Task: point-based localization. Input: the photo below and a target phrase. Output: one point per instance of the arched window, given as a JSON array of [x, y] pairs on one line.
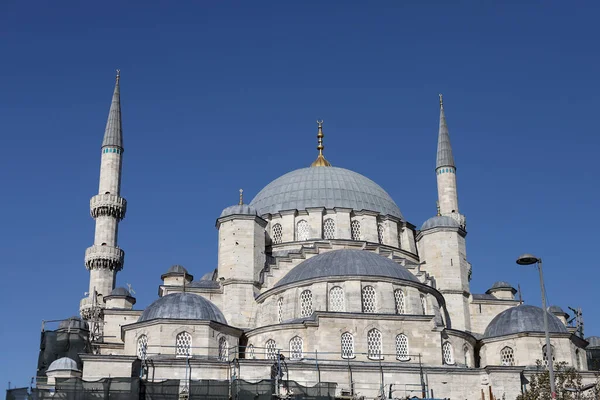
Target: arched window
[[448, 353], [380, 235], [369, 299], [250, 352], [271, 350], [296, 348], [277, 234], [545, 355], [347, 343], [329, 229], [402, 348], [423, 304], [374, 344], [142, 347], [355, 230], [306, 308], [183, 344], [336, 299], [280, 309], [507, 356], [302, 231], [399, 300], [223, 349], [467, 355]]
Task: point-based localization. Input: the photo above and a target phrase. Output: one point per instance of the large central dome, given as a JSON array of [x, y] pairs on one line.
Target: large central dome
[[327, 187]]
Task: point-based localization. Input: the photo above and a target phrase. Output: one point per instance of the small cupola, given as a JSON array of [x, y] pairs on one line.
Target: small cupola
[[120, 298], [176, 275], [502, 290], [559, 313]]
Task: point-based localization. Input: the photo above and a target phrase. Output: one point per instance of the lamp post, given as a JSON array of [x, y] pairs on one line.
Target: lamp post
[[528, 259]]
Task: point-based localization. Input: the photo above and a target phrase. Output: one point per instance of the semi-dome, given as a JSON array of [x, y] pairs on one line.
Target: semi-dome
[[73, 323], [523, 318], [63, 364], [238, 209], [327, 187], [440, 221], [183, 306], [346, 262]]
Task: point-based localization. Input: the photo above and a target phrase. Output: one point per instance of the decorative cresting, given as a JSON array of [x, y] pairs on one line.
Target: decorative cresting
[[320, 161], [108, 205], [99, 257]]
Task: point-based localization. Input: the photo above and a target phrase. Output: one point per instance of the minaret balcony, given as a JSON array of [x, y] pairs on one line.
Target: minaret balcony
[[101, 257], [89, 310], [108, 204]]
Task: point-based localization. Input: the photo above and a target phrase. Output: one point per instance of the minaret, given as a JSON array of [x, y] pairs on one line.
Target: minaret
[[104, 258], [445, 169]]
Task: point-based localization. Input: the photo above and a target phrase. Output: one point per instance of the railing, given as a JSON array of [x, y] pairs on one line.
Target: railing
[[104, 257], [108, 204]]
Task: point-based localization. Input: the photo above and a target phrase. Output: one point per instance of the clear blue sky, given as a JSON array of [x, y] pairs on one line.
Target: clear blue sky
[[219, 95]]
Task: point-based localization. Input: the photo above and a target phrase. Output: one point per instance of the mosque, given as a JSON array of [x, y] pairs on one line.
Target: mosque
[[322, 273]]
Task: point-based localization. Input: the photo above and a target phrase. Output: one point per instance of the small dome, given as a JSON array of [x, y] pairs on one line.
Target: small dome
[[328, 187], [209, 276], [557, 310], [63, 364], [346, 262], [523, 318], [440, 221], [176, 269], [183, 306], [501, 285], [238, 209], [594, 341], [73, 323], [120, 291]]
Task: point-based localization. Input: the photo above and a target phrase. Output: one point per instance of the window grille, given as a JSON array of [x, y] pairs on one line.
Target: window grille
[[280, 309], [380, 235], [270, 350], [448, 353], [369, 299], [374, 344], [277, 234], [223, 349], [355, 230], [467, 355], [423, 304], [303, 230], [336, 299], [183, 344], [306, 308], [347, 342], [250, 353], [402, 348], [329, 229], [142, 347], [507, 356], [545, 355], [399, 299], [296, 348]]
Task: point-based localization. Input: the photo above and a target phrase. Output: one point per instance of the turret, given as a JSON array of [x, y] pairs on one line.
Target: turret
[[104, 258], [241, 258]]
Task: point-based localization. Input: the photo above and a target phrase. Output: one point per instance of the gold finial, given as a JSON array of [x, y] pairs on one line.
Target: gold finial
[[320, 161], [437, 203], [241, 196], [441, 101], [118, 75]]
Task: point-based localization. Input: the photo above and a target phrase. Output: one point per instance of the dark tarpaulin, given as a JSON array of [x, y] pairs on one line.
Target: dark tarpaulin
[[62, 343], [209, 389], [17, 394]]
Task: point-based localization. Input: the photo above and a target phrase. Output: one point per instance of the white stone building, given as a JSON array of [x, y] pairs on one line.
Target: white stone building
[[322, 268]]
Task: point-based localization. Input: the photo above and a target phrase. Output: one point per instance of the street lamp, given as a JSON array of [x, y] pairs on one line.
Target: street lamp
[[528, 259]]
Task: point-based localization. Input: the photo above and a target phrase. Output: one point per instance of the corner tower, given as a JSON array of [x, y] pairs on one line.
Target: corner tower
[[445, 170], [104, 258]]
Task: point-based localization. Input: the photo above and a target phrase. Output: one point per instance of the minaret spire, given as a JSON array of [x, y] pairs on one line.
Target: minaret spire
[[320, 161], [444, 150], [104, 258]]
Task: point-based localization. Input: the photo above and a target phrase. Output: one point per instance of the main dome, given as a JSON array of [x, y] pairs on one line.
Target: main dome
[[327, 187]]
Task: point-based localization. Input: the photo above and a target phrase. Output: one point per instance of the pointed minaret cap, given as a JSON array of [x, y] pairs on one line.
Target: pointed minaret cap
[[320, 161], [113, 134], [444, 150]]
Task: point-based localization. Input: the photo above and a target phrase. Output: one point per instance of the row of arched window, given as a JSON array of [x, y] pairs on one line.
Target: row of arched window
[[183, 346], [374, 348], [337, 302], [507, 356], [329, 231]]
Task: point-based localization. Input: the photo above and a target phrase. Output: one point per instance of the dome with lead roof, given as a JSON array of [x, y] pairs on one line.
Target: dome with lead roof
[[523, 318], [183, 306], [327, 187]]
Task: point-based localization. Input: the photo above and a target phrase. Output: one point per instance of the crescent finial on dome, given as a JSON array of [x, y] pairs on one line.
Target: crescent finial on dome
[[320, 161]]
